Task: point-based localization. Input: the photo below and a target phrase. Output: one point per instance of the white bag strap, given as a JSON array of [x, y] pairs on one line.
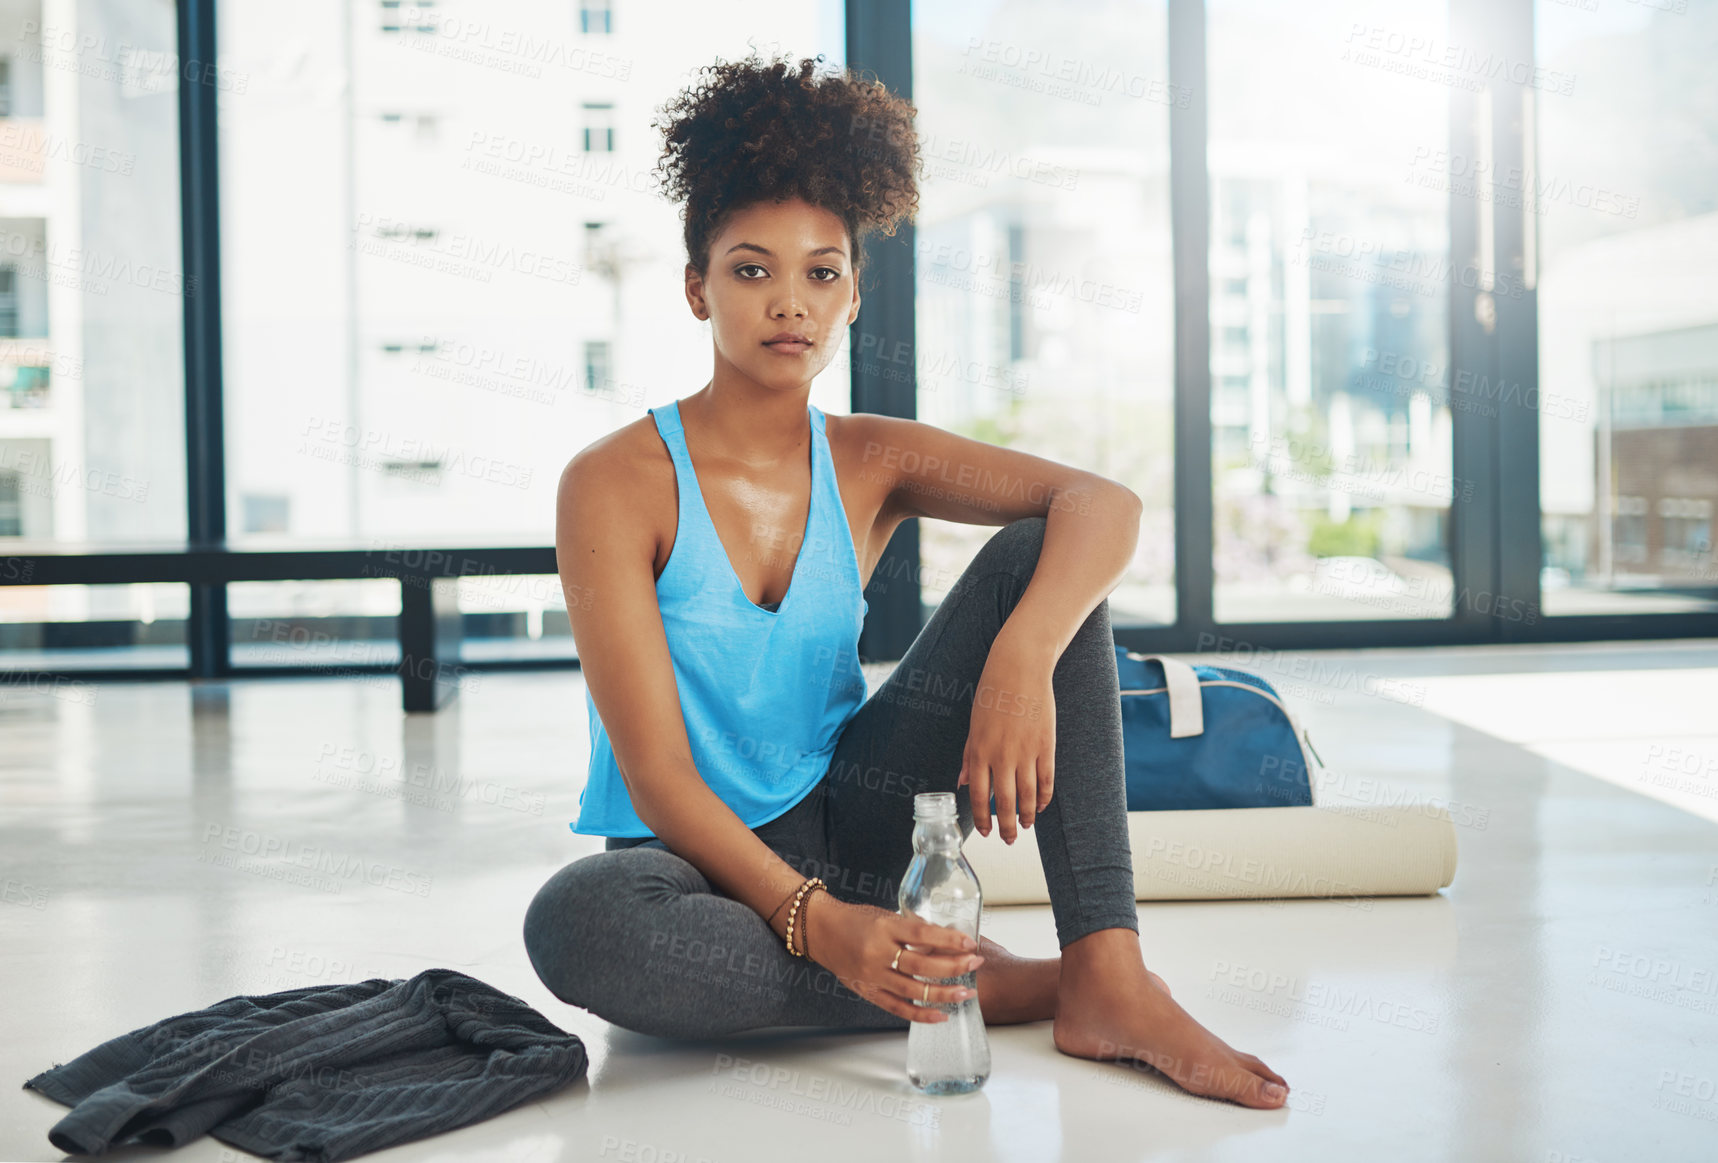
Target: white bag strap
[[1186, 704]]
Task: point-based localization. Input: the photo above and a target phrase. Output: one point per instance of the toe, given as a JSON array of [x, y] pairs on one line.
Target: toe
[[1261, 1092], [1259, 1067], [1239, 1084]]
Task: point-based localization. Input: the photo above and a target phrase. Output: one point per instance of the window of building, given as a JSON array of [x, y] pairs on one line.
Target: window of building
[[402, 346], [267, 512], [11, 504], [8, 301], [596, 16], [413, 472], [1630, 540], [1687, 527], [425, 126], [415, 16], [597, 365], [599, 126], [406, 232]]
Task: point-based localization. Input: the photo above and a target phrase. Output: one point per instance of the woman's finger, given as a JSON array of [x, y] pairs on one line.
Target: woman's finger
[[927, 935], [919, 964], [1026, 791], [1004, 788], [885, 1000], [978, 785], [896, 1004], [914, 991]]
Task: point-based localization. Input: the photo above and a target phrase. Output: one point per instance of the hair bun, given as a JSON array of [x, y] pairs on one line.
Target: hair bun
[[772, 129]]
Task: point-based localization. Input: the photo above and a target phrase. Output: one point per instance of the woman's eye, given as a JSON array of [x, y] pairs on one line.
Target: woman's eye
[[741, 270]]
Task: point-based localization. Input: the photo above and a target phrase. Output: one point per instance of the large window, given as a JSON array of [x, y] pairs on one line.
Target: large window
[[1424, 288], [420, 329], [1625, 198], [1331, 433], [92, 295], [1044, 296]]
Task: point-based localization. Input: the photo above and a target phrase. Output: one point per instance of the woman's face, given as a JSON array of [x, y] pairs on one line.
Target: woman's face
[[777, 267]]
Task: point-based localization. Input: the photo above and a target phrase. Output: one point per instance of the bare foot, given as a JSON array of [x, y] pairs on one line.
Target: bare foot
[[1013, 989], [1107, 1010]]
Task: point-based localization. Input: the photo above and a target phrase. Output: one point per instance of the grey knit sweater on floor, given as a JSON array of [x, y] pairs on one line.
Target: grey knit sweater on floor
[[321, 1073]]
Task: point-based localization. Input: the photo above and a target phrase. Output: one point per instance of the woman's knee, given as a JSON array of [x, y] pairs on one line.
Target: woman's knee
[[1012, 549], [564, 925], [1017, 546], [587, 916], [1017, 542], [552, 940]]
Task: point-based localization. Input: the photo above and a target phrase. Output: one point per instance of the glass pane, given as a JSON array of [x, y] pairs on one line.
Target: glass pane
[[1045, 300], [517, 616], [92, 422], [1330, 276], [319, 625], [331, 625], [106, 627], [448, 270], [1626, 200]]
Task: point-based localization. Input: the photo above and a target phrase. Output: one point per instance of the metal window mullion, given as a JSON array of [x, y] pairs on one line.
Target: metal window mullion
[[1189, 219], [206, 629], [1473, 528], [1519, 547], [880, 42]]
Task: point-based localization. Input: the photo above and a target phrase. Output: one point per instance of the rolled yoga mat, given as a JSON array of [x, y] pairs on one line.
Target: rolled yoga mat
[[1250, 854]]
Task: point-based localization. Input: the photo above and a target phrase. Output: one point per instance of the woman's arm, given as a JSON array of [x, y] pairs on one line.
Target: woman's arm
[[1091, 529], [605, 553], [1011, 743], [1091, 523]]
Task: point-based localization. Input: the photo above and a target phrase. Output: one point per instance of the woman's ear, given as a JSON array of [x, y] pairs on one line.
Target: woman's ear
[[695, 293]]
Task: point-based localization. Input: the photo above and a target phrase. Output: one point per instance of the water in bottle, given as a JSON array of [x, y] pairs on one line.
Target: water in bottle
[[953, 1056]]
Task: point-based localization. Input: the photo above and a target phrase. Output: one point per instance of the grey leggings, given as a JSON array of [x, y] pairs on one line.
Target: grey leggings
[[639, 937]]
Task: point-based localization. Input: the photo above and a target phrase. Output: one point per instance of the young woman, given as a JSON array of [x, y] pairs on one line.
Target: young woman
[[758, 807]]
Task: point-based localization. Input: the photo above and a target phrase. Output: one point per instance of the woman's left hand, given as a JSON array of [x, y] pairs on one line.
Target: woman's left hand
[[1011, 742]]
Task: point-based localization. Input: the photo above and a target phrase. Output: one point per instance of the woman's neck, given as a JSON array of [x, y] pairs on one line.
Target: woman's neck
[[755, 428]]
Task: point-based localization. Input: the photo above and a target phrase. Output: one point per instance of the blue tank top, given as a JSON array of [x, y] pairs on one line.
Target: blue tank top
[[764, 692]]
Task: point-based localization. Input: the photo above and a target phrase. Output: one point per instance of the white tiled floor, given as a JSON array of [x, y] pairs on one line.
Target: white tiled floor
[[1558, 1002]]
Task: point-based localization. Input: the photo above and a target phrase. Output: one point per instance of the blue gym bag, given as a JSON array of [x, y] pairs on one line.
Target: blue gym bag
[[1207, 737]]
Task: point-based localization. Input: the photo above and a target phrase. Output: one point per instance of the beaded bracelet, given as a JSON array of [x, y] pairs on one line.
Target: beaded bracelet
[[805, 926], [811, 885], [805, 929]]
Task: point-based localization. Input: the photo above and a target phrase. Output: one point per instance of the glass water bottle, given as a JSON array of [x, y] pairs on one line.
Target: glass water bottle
[[953, 1056]]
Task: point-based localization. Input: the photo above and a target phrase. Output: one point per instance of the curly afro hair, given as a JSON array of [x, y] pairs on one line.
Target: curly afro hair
[[754, 130]]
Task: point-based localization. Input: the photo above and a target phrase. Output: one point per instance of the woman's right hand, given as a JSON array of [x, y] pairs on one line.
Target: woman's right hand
[[858, 942]]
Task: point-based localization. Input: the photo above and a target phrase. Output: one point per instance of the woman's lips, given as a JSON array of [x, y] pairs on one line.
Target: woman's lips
[[787, 347]]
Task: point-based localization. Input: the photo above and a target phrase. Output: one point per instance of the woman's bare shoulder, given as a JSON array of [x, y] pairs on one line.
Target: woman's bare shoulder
[[625, 475], [630, 459], [860, 444]]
